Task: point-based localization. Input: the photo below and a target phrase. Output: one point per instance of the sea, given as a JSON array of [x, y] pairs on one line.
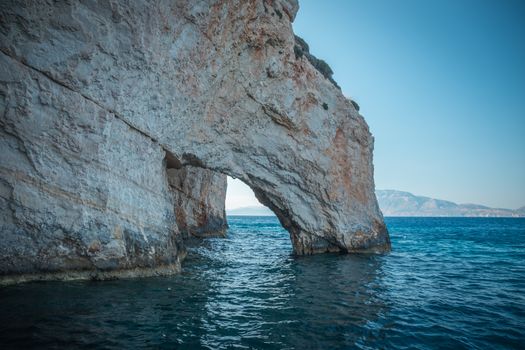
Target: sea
[[448, 283]]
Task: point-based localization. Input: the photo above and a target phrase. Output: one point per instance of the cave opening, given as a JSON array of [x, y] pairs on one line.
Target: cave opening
[[253, 227], [172, 162], [241, 201], [205, 200]]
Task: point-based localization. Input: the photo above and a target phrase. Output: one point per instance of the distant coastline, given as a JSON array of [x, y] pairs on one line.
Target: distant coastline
[[400, 203], [254, 210]]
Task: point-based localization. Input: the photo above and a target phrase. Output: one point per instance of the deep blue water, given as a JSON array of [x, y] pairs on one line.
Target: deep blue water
[[448, 283]]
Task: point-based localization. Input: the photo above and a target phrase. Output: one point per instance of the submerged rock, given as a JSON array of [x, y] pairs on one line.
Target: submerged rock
[[99, 100]]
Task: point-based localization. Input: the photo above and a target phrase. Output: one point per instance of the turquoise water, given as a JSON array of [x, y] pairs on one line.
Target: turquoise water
[[448, 283]]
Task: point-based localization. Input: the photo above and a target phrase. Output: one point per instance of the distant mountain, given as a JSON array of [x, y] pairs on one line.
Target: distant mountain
[[398, 203], [258, 210]]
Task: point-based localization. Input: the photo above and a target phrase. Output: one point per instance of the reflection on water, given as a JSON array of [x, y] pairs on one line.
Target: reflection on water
[[338, 296], [456, 284], [261, 295]]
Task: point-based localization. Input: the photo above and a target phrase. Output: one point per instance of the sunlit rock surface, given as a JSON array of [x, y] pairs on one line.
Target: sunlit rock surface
[[98, 97]]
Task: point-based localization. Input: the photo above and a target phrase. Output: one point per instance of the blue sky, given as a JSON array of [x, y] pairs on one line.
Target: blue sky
[[442, 86]]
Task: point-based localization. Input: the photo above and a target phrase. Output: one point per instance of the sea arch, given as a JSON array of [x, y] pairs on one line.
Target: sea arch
[[96, 96]]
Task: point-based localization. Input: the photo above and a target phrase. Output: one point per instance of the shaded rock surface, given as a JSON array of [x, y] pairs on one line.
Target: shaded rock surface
[[94, 97], [199, 201]]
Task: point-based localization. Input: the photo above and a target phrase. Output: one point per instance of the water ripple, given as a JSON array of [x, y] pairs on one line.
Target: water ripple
[[448, 283]]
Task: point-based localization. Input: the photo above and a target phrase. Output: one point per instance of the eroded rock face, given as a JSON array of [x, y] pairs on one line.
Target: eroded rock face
[[199, 201], [80, 189], [93, 95]]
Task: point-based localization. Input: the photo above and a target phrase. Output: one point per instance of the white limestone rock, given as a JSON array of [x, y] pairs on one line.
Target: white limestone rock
[[93, 94]]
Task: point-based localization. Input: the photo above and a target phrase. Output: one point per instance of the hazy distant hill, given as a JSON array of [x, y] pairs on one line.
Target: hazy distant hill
[[251, 211], [398, 203]]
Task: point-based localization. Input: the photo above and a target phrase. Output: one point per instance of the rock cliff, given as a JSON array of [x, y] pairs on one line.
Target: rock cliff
[[121, 119]]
